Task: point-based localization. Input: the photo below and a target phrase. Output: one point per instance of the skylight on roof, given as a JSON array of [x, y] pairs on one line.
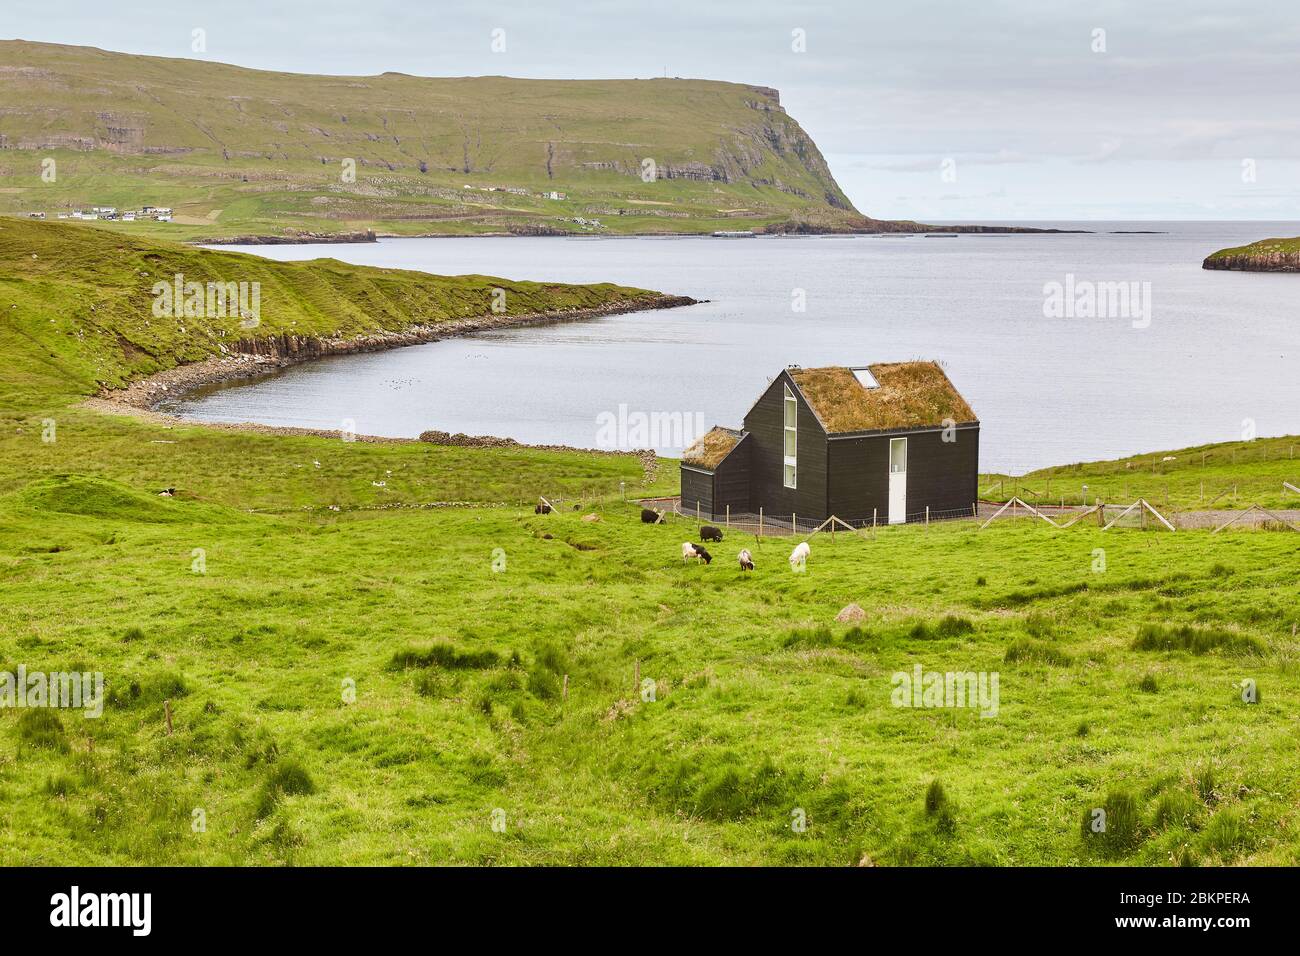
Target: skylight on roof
[[865, 378]]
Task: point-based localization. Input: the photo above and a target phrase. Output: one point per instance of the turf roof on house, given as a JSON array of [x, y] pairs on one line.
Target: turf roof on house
[[713, 446], [911, 395]]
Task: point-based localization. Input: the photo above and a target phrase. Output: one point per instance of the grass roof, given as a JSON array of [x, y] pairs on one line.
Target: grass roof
[[911, 395], [713, 446]]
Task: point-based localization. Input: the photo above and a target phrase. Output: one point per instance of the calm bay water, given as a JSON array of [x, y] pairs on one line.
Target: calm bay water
[[1220, 347]]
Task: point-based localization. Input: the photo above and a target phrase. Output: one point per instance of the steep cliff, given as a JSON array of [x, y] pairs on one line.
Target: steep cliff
[[235, 150]]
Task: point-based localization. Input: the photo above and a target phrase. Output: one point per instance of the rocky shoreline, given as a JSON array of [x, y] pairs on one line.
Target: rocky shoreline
[[874, 227], [250, 358], [1256, 262], [291, 239]]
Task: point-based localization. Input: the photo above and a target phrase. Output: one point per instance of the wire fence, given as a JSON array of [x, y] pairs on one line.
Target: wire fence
[[1139, 515], [763, 524]]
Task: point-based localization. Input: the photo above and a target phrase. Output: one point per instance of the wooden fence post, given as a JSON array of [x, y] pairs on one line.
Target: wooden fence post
[[794, 524], [636, 675], [728, 516], [167, 708], [760, 521], [927, 516], [565, 692], [697, 510]]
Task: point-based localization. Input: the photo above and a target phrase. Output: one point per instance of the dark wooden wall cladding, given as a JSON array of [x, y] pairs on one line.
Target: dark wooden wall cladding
[[731, 479], [697, 491], [943, 476], [766, 425]]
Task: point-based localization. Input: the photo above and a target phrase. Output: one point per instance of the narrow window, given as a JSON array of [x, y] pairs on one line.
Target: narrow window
[[791, 438], [897, 455]]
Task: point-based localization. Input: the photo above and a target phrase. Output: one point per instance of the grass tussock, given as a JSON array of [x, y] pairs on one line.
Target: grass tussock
[[286, 779], [1032, 651], [445, 656], [41, 727], [1115, 828], [1197, 640], [939, 808]]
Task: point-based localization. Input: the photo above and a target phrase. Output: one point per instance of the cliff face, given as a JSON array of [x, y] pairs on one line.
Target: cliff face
[[1261, 262], [397, 148], [1267, 255]]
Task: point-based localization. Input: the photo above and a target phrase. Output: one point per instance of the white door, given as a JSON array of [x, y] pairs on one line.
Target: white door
[[897, 480]]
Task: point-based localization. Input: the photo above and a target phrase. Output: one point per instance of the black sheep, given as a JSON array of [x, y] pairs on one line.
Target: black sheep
[[703, 555], [649, 516], [542, 509], [710, 533]]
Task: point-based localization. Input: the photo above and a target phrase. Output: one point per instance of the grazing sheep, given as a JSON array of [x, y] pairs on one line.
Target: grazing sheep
[[695, 551], [542, 509], [650, 516], [799, 556], [746, 560], [167, 493], [710, 533]]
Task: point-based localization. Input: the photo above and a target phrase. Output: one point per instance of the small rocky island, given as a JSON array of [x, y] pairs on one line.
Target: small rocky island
[[1267, 255]]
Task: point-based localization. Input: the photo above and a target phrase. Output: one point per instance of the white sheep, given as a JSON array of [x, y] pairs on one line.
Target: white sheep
[[799, 556], [746, 560]]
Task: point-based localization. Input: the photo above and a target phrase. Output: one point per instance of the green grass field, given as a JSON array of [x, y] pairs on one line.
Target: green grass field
[[386, 685], [1227, 475]]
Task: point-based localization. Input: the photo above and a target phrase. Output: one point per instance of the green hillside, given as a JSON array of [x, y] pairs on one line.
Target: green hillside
[[236, 151], [77, 305], [378, 654], [1222, 475]]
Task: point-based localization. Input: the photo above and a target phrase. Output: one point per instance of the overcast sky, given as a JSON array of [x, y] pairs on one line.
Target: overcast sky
[[939, 111]]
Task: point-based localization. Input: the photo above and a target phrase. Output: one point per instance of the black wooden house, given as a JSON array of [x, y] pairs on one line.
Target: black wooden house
[[879, 442]]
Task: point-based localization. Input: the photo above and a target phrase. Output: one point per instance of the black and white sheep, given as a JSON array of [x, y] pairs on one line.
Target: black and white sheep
[[746, 560], [696, 551]]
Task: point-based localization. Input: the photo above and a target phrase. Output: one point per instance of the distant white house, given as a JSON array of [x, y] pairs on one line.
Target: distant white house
[[36, 215], [128, 217], [553, 195]]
